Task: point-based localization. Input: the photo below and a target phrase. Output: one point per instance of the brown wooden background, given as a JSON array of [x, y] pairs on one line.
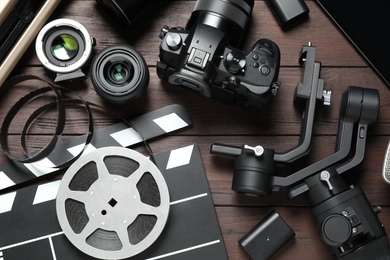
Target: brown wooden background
[[277, 126]]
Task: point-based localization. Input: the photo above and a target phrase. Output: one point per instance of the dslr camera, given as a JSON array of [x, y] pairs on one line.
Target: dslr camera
[[205, 57]]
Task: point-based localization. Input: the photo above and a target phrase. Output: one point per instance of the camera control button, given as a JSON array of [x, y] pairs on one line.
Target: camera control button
[[233, 82], [173, 40], [267, 44], [255, 65], [235, 62], [265, 70], [255, 57]]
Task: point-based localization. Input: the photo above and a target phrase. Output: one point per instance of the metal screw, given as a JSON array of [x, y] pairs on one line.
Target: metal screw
[[326, 96]]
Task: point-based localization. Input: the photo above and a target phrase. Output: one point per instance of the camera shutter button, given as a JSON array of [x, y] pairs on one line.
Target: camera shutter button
[[173, 40]]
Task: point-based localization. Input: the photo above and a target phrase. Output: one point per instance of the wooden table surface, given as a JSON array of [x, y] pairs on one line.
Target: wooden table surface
[[277, 126]]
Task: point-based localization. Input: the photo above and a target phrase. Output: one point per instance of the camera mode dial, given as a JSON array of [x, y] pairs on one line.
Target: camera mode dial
[[235, 62], [173, 40]]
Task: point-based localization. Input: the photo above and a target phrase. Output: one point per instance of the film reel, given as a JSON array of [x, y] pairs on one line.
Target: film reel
[[112, 203]]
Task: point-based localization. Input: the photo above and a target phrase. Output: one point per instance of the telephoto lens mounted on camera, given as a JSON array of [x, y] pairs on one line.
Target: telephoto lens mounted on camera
[[205, 57]]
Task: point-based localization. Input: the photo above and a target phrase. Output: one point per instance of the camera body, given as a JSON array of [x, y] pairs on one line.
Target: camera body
[[204, 57]]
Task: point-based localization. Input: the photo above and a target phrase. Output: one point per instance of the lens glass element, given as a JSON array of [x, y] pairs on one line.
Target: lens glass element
[[64, 47], [120, 72]]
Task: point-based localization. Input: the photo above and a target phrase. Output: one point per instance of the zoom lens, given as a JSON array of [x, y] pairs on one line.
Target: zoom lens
[[64, 46], [230, 16], [119, 74], [125, 11]]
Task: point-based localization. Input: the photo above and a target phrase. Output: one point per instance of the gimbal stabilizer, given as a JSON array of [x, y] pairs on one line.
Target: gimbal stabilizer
[[347, 222]]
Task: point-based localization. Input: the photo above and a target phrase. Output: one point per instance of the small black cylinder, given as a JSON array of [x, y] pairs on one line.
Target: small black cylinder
[[253, 174]]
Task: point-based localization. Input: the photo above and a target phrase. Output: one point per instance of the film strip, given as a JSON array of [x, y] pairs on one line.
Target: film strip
[[28, 217], [152, 124]]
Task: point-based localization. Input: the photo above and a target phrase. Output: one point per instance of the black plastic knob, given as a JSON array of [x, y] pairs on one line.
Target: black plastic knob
[[336, 230], [235, 62]]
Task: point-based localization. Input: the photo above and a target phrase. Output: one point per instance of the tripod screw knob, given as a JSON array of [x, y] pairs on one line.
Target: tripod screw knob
[[325, 176], [258, 150]]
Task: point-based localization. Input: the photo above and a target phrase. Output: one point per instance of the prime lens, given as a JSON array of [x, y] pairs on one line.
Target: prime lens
[[230, 16], [119, 74]]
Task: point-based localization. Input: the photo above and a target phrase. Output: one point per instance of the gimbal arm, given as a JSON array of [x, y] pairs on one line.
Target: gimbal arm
[[359, 108]]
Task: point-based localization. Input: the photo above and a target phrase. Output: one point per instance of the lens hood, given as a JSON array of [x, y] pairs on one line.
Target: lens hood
[[119, 74]]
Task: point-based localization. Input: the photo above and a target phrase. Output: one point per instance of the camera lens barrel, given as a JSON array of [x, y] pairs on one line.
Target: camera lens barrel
[[124, 11], [119, 74], [230, 16]]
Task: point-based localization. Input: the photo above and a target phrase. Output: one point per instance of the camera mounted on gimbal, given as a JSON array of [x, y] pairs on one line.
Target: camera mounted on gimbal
[[347, 222]]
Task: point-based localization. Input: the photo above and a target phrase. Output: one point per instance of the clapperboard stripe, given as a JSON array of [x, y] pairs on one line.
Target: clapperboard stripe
[[5, 181], [192, 231], [149, 125]]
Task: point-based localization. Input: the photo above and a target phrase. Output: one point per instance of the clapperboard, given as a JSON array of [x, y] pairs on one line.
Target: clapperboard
[[29, 228], [125, 134]]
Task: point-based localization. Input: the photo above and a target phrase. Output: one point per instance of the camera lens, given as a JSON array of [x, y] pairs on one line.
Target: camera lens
[[64, 46], [119, 74], [230, 16], [125, 11]]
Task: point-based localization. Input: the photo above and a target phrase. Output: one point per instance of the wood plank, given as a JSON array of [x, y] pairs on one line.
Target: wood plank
[[277, 126]]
